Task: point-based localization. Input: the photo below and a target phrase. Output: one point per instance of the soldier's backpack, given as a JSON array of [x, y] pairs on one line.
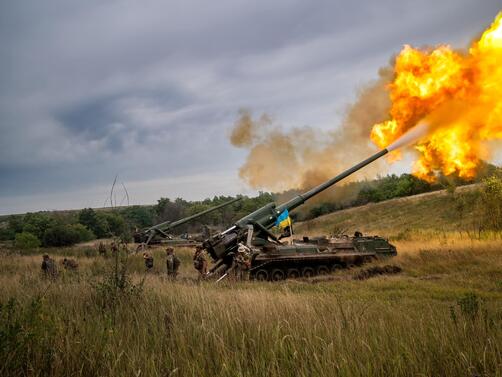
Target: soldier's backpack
[[176, 263]]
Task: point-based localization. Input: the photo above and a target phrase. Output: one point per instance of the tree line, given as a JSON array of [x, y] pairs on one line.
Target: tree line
[[65, 228]]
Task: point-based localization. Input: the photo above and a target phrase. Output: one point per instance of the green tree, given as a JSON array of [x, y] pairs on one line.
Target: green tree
[[84, 234], [6, 234], [61, 235], [26, 240], [15, 224], [138, 216], [92, 221], [166, 210], [37, 223]]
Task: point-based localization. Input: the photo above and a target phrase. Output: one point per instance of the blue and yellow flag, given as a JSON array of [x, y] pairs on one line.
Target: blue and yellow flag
[[283, 220]]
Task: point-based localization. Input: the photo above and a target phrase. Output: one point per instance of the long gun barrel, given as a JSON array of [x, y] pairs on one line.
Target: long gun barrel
[[223, 244], [162, 228]]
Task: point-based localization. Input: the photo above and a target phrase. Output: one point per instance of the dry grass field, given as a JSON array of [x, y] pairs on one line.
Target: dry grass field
[[441, 316]]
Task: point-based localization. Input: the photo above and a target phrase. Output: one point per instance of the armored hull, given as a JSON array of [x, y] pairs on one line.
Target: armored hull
[[317, 256]]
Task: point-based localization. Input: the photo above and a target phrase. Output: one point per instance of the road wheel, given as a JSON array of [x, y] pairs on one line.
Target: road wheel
[[293, 273], [277, 275], [322, 270], [336, 267], [307, 272], [261, 275]]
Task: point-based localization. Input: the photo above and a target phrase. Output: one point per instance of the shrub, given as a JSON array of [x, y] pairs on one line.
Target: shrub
[[469, 305], [26, 240], [117, 285], [61, 235], [84, 234]]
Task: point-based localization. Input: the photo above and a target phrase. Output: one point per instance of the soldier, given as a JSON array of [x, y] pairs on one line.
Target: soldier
[[49, 267], [102, 249], [70, 264], [115, 248], [199, 261], [148, 260], [357, 234], [172, 263], [242, 262]]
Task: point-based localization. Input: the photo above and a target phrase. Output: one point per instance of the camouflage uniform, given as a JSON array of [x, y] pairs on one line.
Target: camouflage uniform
[[242, 262], [49, 267], [102, 249], [148, 261], [172, 263], [70, 264], [199, 261], [115, 248]]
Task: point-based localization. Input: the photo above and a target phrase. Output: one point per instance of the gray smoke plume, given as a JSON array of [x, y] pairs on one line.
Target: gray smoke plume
[[301, 158]]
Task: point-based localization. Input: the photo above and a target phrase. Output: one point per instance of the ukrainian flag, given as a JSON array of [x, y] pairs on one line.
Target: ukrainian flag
[[283, 220]]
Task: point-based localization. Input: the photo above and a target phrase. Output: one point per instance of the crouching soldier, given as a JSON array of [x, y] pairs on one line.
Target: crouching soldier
[[148, 261], [172, 263], [199, 261], [49, 267], [70, 264]]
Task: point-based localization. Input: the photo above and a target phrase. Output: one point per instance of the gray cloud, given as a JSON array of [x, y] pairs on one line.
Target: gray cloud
[[150, 89]]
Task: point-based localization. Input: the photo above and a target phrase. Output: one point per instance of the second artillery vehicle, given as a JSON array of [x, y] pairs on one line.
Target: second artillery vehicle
[[160, 232], [273, 260]]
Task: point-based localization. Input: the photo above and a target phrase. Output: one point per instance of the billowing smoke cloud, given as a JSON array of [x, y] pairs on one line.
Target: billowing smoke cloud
[[301, 158]]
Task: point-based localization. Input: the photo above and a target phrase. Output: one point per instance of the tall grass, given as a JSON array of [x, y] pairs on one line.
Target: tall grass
[[441, 317]]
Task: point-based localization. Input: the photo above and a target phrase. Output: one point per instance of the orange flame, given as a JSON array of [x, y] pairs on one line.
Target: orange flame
[[459, 94]]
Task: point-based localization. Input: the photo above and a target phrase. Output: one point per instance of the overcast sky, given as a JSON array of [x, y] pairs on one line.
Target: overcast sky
[[149, 90]]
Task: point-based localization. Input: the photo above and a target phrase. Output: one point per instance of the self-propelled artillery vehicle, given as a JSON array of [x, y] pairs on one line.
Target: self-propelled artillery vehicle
[[160, 232], [273, 260], [317, 256]]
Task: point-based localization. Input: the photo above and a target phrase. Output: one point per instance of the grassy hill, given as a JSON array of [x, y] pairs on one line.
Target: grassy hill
[[434, 212], [441, 316]]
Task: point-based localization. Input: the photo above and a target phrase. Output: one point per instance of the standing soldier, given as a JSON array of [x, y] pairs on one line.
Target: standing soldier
[[172, 263], [148, 260], [49, 267], [242, 262], [199, 261], [115, 248], [102, 249]]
